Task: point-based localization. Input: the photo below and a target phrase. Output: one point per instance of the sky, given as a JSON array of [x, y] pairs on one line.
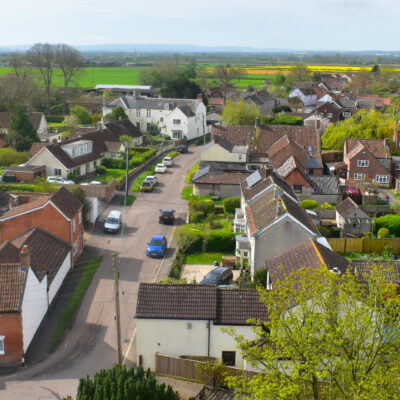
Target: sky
[[280, 24]]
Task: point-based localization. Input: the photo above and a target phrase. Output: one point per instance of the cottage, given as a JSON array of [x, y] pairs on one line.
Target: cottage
[[352, 219], [306, 94]]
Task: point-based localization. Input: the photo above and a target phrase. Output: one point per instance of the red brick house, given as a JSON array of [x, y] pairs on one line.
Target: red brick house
[[59, 214], [368, 159]]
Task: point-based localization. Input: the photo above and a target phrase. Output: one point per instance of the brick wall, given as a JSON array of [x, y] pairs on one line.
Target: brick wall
[[11, 328]]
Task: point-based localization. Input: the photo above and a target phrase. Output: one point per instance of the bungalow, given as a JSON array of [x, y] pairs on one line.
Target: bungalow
[[351, 219], [178, 320]]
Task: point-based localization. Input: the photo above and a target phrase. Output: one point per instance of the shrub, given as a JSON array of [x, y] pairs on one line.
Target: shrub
[[309, 204], [55, 118], [327, 206], [230, 204], [335, 232], [389, 221], [192, 171], [9, 157], [383, 233], [113, 163], [100, 170], [197, 216], [129, 199], [324, 231], [199, 210], [260, 278], [221, 241], [82, 114]]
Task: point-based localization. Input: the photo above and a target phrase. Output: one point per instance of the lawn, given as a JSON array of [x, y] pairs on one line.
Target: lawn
[[84, 281], [117, 174], [187, 194], [204, 258], [136, 186]]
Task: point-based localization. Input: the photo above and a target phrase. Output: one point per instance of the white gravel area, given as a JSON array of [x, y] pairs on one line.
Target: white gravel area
[[196, 272]]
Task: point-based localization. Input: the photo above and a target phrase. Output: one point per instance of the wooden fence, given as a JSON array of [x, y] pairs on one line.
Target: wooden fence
[[365, 245], [191, 369]]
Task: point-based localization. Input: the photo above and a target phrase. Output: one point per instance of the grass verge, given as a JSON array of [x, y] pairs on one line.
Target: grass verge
[[129, 199], [173, 154], [192, 171], [204, 258], [187, 194], [136, 186], [77, 295]]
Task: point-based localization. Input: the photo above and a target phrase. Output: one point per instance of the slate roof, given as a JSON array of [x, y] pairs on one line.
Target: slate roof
[[12, 284], [308, 254], [313, 163], [219, 177], [123, 127], [65, 201], [307, 91], [377, 147], [224, 306], [363, 267], [288, 166], [324, 184], [346, 207], [34, 119]]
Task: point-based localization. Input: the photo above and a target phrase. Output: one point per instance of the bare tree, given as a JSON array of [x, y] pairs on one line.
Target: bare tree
[[69, 60], [225, 75], [42, 56]]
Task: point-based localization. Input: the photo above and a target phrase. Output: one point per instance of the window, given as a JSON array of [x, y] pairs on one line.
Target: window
[[57, 172], [177, 134], [94, 164], [246, 254], [148, 127], [138, 112], [2, 345], [359, 176], [73, 226], [397, 167], [329, 115], [176, 121], [161, 119], [78, 171], [74, 152], [298, 188], [148, 113], [75, 247], [382, 178], [253, 167], [138, 125], [347, 114], [80, 217], [362, 163], [311, 171], [228, 358]]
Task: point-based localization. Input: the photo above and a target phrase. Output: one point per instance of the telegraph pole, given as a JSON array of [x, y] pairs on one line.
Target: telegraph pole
[[117, 312]]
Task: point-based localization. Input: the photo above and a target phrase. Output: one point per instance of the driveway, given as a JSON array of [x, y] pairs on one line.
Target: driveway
[[90, 344]]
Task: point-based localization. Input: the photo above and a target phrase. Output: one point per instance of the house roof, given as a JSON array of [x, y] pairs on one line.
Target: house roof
[[36, 147], [307, 90], [123, 127], [219, 177], [285, 147], [288, 166], [32, 205], [308, 254], [34, 119], [224, 306], [260, 180], [324, 184], [12, 284], [65, 201], [379, 148], [264, 210], [4, 199], [48, 252], [346, 207]]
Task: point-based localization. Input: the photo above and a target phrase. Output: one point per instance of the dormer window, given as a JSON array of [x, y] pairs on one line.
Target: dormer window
[[79, 148]]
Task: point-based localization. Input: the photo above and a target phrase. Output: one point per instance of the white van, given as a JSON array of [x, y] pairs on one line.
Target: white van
[[168, 162], [113, 222]]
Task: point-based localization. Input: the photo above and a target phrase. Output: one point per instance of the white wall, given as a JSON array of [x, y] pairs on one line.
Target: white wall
[[44, 157], [173, 338], [59, 278], [34, 306], [218, 153]]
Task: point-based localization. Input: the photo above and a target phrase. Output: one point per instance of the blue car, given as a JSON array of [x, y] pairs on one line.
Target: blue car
[[157, 246]]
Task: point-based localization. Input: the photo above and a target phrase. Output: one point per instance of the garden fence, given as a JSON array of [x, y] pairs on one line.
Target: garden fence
[[365, 245]]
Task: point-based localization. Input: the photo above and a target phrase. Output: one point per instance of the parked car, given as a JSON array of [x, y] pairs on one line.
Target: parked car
[[351, 189], [157, 246], [160, 169], [218, 276], [113, 222], [60, 180], [167, 216], [182, 148], [151, 178], [146, 186], [168, 162]]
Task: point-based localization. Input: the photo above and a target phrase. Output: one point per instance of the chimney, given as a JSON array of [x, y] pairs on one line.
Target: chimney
[[25, 256]]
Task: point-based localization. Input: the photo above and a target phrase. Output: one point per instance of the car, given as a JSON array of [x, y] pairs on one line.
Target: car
[[151, 178], [146, 186], [182, 148], [60, 180], [351, 189], [218, 276], [167, 216], [168, 162], [113, 222], [160, 169], [157, 246]]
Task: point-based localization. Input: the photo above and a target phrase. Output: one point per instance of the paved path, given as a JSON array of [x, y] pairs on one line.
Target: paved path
[[90, 344]]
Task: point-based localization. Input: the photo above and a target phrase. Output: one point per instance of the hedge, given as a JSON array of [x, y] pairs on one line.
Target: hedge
[[383, 233], [113, 163], [55, 118], [230, 204], [199, 210], [389, 221], [309, 204]]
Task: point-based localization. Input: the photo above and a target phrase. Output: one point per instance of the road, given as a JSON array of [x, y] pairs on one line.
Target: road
[[91, 343]]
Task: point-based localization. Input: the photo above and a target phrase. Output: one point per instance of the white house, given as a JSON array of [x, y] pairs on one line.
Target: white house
[[177, 320], [178, 118], [306, 94]]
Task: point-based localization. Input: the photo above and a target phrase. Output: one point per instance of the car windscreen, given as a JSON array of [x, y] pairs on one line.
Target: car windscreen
[[351, 187], [112, 220], [167, 213], [213, 275], [156, 242], [160, 165], [146, 183]]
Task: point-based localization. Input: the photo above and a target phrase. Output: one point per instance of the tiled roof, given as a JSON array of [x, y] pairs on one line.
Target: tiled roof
[[390, 267], [34, 119], [377, 147], [123, 127], [39, 202], [346, 207], [221, 178], [308, 254], [65, 201], [47, 251], [113, 147], [12, 283], [288, 166], [36, 147], [283, 149], [324, 184], [224, 306]]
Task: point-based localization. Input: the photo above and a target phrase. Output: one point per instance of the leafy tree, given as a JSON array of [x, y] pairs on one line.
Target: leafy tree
[[9, 157], [80, 194], [71, 121], [389, 221], [180, 88], [376, 70], [299, 73], [279, 79], [316, 77], [118, 113], [394, 208], [327, 335], [21, 133], [295, 103], [363, 125], [82, 114], [225, 76], [239, 113]]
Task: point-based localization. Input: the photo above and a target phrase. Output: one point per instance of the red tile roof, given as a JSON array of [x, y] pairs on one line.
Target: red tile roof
[[12, 283], [32, 205], [378, 147]]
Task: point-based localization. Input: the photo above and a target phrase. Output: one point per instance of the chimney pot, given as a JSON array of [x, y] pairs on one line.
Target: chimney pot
[[25, 256]]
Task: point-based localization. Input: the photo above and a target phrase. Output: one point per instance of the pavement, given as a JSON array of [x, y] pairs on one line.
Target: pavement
[[89, 343]]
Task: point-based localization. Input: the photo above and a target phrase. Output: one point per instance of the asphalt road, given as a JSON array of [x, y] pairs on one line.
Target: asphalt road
[[91, 342]]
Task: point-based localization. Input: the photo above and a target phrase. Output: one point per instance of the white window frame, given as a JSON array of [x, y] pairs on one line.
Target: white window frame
[[177, 134], [80, 217], [138, 112], [363, 163], [73, 226], [161, 119], [57, 172], [382, 178], [359, 177], [329, 115], [346, 114], [2, 348], [148, 113]]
